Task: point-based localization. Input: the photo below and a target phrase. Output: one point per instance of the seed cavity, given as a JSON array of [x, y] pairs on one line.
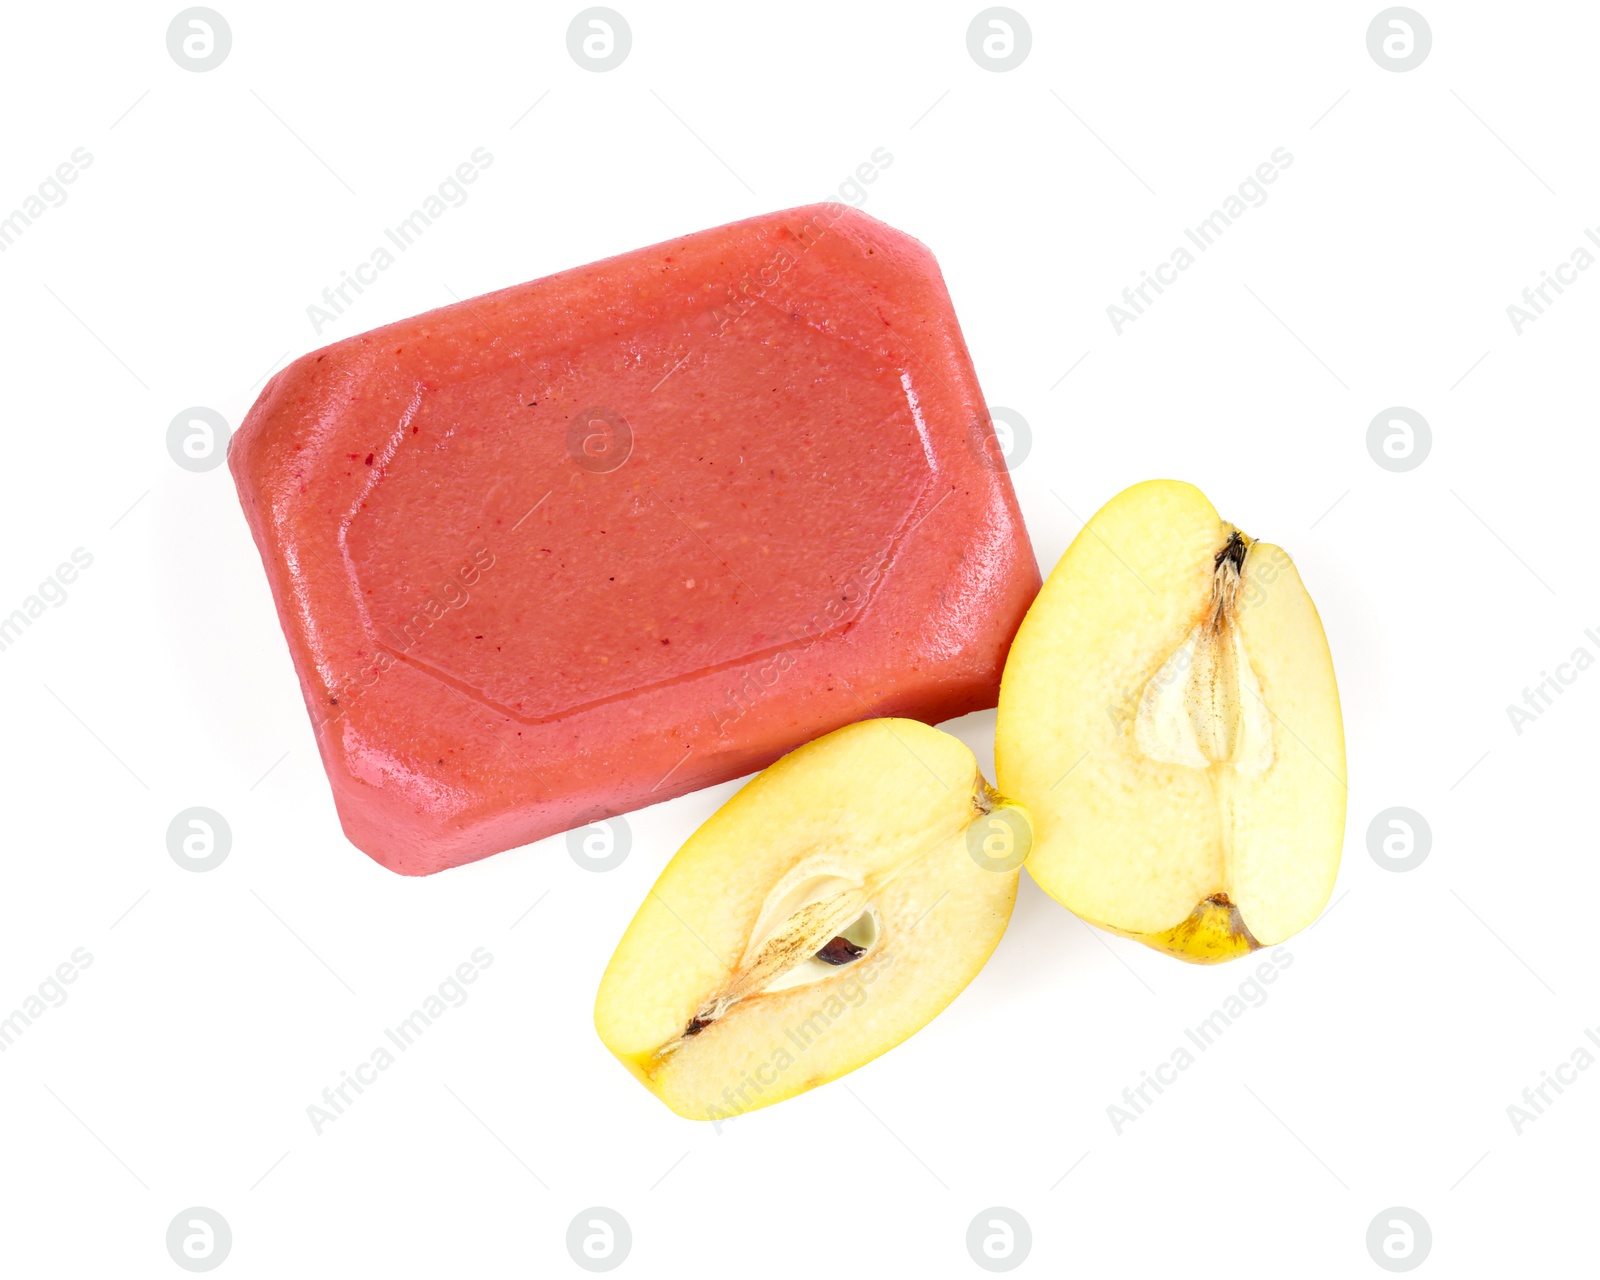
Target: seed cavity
[[840, 950], [816, 921], [813, 924], [1204, 706]]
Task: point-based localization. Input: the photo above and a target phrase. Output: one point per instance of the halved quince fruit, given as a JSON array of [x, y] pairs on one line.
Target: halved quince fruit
[[1169, 717], [827, 911]]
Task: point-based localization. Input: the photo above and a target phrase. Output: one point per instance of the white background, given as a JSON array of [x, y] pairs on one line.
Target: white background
[[219, 1005]]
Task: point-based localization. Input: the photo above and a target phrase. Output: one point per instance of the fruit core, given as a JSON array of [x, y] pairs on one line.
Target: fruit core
[[815, 922], [1204, 708]]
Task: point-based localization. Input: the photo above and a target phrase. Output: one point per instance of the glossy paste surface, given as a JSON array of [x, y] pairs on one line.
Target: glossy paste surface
[[591, 542]]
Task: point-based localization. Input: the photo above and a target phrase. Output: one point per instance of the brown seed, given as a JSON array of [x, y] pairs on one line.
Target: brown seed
[[839, 950]]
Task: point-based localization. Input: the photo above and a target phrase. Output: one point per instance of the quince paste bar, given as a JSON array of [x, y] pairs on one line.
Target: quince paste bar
[[592, 542]]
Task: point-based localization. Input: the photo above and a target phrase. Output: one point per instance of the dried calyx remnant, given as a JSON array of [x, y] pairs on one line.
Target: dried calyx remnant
[[1215, 929], [1204, 707], [1234, 553]]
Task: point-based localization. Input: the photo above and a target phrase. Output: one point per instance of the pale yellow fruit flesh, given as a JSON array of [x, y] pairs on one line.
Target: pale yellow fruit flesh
[[863, 831], [1169, 715]]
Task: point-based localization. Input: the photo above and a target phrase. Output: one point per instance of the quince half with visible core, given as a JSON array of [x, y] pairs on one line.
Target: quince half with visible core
[[1169, 717], [830, 909]]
